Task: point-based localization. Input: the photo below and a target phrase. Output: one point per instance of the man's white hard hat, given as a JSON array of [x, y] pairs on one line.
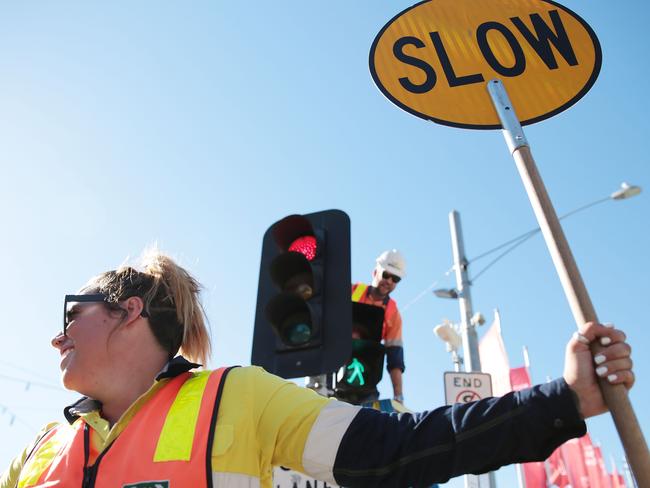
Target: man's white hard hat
[[393, 262]]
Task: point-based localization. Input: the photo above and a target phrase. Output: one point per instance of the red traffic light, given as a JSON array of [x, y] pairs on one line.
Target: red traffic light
[[303, 318], [305, 245]]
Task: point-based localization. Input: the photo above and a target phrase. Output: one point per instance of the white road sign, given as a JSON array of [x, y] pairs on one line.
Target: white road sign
[[466, 387]]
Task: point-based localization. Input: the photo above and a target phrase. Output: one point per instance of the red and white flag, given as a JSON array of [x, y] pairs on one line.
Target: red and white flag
[[520, 378], [604, 475], [534, 475], [592, 462], [494, 358], [615, 478], [575, 463], [556, 470]]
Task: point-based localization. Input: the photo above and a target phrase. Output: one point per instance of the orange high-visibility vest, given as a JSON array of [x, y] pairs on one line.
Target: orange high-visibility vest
[[167, 443]]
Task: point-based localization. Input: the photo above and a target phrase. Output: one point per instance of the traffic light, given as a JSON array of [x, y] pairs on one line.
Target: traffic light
[[303, 320], [358, 378]]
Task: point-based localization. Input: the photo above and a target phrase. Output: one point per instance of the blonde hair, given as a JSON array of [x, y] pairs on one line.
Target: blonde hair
[[171, 302]]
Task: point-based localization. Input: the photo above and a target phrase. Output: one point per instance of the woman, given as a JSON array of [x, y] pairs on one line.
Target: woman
[[131, 341]]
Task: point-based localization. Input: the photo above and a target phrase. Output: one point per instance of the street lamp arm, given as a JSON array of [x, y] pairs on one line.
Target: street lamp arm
[[584, 207]]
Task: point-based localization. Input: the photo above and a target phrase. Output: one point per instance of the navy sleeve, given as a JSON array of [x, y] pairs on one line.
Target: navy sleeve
[[394, 358], [397, 450]]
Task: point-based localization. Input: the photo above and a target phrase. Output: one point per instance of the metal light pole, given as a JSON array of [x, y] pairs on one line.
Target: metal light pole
[[467, 326], [467, 330]]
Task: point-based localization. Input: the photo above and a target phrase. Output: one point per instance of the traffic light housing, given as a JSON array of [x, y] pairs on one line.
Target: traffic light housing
[[358, 378], [303, 319]]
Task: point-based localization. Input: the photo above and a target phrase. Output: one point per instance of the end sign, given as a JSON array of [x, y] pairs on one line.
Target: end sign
[[434, 59], [466, 387]]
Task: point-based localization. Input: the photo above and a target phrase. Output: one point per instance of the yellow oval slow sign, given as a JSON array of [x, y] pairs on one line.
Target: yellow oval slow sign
[[435, 58]]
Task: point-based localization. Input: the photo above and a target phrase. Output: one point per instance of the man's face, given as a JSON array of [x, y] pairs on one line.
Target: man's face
[[386, 281]]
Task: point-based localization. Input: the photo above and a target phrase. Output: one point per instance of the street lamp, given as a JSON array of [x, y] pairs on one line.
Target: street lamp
[[446, 293], [626, 191]]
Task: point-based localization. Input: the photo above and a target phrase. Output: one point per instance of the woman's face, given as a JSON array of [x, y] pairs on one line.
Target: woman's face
[[85, 353]]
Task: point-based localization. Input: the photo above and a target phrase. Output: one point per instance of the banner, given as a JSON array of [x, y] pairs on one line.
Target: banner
[[604, 475], [520, 378], [556, 470], [494, 358], [593, 466], [575, 463], [534, 474], [616, 479]]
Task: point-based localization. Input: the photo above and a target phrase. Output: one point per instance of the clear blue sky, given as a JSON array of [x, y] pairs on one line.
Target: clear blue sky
[[198, 125]]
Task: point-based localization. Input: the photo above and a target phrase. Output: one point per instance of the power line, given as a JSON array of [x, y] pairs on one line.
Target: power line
[[13, 417], [426, 290], [29, 383], [502, 255], [28, 371], [524, 236]]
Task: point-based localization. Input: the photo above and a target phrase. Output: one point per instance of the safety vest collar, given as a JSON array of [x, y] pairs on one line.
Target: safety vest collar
[[176, 366], [80, 407]]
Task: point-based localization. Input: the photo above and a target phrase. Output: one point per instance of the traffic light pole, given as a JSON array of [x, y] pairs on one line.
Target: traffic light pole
[[469, 336]]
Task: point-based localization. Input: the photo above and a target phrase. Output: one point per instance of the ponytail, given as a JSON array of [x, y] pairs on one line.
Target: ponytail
[[174, 287]]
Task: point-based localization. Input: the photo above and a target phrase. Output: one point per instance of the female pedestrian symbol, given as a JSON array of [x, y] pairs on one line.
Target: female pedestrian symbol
[[357, 370]]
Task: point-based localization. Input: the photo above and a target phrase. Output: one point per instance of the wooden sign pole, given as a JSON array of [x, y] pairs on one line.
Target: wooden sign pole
[[583, 310]]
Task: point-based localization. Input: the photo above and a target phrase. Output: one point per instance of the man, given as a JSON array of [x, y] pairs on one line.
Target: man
[[390, 268]]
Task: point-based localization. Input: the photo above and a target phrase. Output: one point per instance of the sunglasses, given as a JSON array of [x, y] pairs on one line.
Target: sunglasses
[[68, 315], [388, 276], [71, 299]]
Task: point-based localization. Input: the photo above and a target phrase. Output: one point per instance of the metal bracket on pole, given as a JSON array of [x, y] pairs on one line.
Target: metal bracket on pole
[[512, 130]]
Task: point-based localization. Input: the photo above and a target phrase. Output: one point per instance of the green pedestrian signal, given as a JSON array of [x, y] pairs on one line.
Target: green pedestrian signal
[[357, 380], [357, 369]]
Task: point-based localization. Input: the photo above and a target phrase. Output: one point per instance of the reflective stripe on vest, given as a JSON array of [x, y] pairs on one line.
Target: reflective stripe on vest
[[177, 435], [358, 291], [168, 440]]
